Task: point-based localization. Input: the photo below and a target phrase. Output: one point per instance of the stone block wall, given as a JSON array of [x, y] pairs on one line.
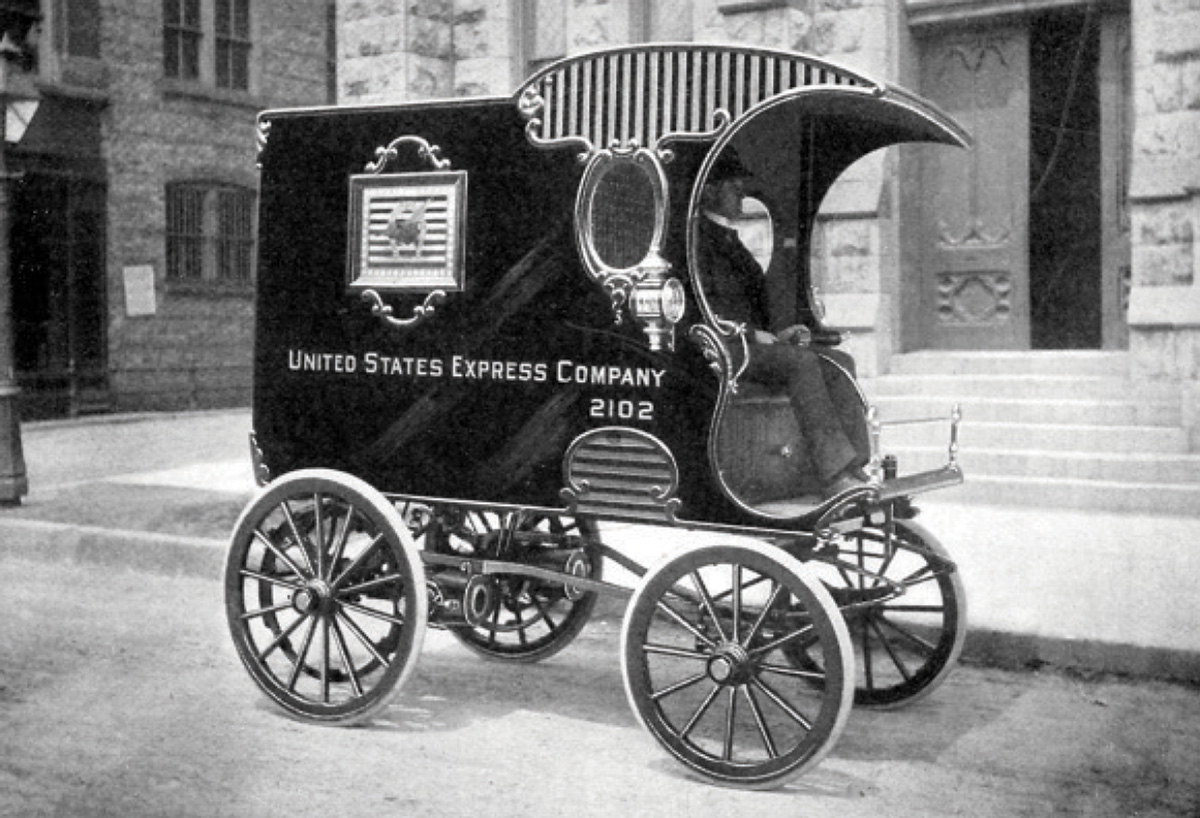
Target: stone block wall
[[391, 51], [195, 349], [1164, 310]]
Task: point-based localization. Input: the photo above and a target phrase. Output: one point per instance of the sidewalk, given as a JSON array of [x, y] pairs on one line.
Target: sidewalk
[[1102, 592]]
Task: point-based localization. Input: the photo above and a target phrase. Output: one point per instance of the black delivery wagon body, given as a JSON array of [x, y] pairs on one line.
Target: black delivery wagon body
[[485, 330]]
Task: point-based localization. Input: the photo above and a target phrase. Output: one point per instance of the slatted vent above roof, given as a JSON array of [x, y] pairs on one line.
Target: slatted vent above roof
[[647, 95]]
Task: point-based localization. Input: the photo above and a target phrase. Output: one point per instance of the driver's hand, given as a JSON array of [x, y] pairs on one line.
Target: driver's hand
[[799, 335], [764, 337]]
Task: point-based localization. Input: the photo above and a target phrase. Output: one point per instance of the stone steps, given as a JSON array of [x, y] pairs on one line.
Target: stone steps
[[1168, 499], [1044, 429], [1060, 411], [1066, 465], [1080, 363], [1027, 387], [1045, 436]]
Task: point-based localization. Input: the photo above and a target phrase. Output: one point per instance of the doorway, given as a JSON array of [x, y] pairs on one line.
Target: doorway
[[1024, 241], [1064, 182], [59, 312]]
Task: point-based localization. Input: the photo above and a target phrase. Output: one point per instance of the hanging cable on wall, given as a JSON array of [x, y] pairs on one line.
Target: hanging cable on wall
[[1068, 102]]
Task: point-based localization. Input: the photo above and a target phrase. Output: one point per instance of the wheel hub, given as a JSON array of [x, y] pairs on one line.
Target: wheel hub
[[730, 665], [316, 596]]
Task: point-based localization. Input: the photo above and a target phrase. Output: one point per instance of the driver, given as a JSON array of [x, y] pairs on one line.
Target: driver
[[734, 285]]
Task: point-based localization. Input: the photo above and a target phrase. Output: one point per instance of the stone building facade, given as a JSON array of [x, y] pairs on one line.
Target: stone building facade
[[1164, 308], [134, 220], [1082, 228]]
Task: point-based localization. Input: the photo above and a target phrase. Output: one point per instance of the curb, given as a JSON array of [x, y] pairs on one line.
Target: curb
[[121, 418], [204, 558], [1017, 651], [158, 553]]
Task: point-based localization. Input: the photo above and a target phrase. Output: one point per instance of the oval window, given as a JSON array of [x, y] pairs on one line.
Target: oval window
[[623, 214]]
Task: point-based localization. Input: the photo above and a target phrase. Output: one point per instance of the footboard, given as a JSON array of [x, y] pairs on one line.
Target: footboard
[[884, 467]]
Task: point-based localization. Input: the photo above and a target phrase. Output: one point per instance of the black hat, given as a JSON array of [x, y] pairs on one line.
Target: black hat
[[728, 166]]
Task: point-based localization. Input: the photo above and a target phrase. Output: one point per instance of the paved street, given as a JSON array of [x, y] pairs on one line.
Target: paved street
[[120, 694]]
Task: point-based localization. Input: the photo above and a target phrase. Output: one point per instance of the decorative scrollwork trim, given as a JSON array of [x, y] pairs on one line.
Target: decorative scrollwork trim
[[715, 347], [420, 312], [720, 121], [261, 134], [430, 153], [619, 282]]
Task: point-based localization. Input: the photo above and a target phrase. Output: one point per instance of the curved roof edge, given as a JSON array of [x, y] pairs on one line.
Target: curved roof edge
[[650, 94]]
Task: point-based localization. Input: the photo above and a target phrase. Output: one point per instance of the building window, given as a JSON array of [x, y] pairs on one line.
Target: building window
[[82, 28], [20, 23], [182, 35], [210, 233], [208, 41], [233, 44]]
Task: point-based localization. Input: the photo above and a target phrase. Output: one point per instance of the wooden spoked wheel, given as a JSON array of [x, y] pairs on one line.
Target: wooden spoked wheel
[[325, 596], [907, 636], [703, 655], [526, 620]]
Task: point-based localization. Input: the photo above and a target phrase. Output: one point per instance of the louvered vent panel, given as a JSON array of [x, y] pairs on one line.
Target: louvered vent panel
[[621, 472], [645, 95]]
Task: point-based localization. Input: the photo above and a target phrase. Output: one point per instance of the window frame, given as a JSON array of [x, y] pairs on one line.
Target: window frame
[[80, 29], [21, 20], [179, 33], [232, 44], [223, 35], [209, 235]]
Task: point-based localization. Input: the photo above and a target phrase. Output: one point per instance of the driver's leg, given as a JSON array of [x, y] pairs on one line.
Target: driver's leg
[[798, 369]]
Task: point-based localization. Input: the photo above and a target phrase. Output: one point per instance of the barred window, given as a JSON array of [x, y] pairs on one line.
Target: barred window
[[210, 233], [235, 234], [182, 34]]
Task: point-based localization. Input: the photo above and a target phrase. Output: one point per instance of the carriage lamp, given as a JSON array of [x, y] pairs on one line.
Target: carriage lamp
[[657, 303]]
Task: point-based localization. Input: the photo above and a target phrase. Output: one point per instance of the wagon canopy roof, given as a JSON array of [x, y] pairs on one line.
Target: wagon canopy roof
[[652, 95]]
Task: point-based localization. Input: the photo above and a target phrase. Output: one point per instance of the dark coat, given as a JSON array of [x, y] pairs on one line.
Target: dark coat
[[733, 282], [832, 425]]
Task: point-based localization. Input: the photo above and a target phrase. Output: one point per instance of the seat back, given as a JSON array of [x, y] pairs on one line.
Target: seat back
[[761, 451]]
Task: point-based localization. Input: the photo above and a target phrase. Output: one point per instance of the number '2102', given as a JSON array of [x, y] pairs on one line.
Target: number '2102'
[[614, 409]]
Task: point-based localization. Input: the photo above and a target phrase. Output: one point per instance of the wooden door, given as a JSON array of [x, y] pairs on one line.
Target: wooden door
[[974, 270]]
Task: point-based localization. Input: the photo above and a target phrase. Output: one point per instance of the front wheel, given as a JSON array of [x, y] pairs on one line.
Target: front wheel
[[703, 656], [325, 596]]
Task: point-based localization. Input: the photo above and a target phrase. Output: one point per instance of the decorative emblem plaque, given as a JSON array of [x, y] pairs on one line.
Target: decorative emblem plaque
[[406, 231]]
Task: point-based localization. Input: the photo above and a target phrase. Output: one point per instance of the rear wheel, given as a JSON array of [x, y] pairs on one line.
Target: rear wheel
[[702, 651], [325, 596], [906, 636], [523, 619]]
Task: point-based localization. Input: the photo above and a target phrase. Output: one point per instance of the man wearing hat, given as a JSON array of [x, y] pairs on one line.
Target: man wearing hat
[[735, 288]]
